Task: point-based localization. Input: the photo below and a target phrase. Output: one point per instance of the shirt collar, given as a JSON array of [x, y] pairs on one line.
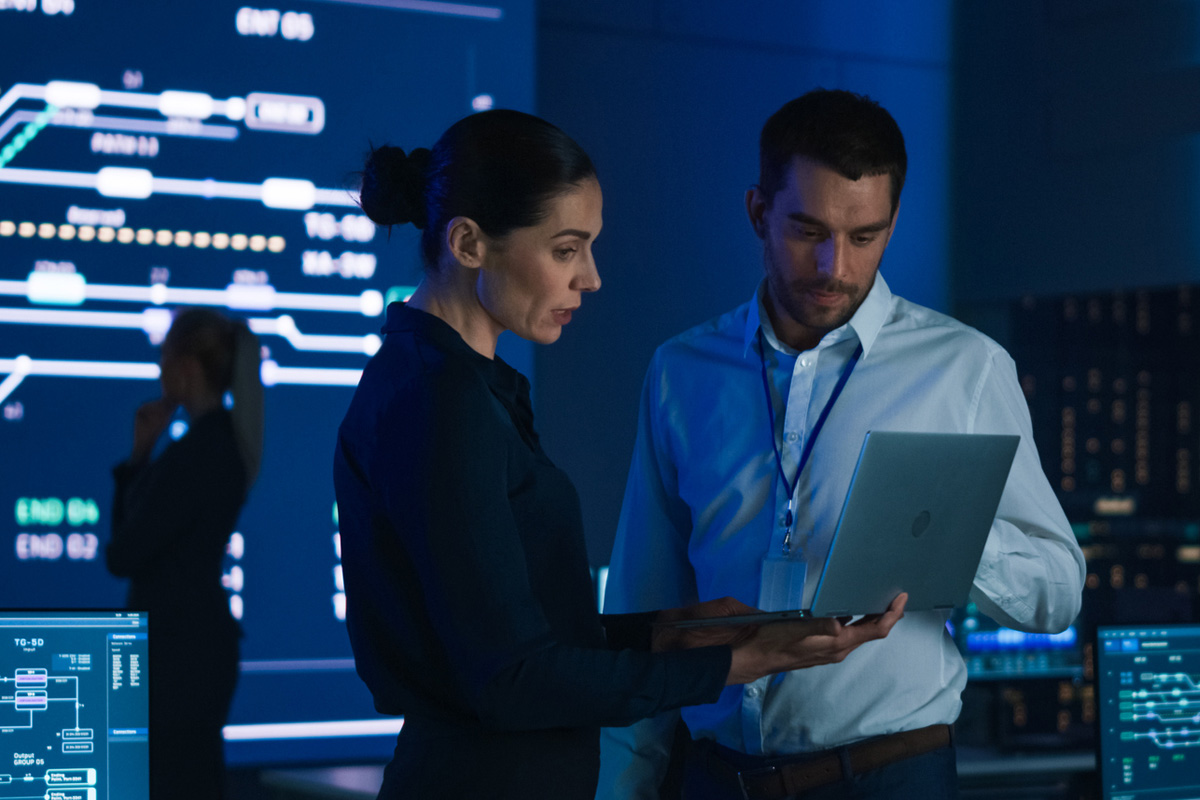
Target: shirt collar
[[503, 379], [866, 323]]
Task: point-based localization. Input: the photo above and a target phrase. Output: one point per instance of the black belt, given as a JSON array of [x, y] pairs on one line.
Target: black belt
[[821, 769]]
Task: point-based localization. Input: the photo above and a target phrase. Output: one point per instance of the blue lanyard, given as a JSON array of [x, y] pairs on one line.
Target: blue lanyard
[[812, 436]]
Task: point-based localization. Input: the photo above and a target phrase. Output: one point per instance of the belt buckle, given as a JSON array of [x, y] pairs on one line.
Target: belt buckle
[[757, 772]]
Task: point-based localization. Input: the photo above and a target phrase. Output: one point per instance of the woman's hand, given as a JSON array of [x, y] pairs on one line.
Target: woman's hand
[[148, 424], [667, 637], [784, 646]]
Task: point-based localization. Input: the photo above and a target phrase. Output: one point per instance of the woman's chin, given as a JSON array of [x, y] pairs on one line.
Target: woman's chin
[[548, 336], [542, 334]]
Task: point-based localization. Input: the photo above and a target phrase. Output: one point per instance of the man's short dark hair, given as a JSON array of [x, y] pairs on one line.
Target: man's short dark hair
[[849, 133]]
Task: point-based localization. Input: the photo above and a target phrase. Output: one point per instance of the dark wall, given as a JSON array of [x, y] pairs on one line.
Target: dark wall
[[1075, 158], [668, 97]]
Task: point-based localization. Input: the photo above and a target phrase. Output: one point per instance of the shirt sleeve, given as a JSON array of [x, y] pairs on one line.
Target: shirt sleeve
[[649, 569], [1031, 575], [446, 484]]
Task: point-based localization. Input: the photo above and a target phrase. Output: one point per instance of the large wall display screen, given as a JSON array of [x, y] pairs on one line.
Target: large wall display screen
[[157, 155]]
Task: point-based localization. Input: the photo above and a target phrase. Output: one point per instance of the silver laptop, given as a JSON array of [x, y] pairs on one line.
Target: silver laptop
[[915, 519]]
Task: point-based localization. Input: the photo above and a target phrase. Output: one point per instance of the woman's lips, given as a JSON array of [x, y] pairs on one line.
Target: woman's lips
[[562, 315]]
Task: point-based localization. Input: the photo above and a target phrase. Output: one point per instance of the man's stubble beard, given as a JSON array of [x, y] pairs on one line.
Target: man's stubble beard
[[789, 295]]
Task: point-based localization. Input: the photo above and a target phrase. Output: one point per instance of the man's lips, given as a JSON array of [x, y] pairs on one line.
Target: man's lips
[[825, 297]]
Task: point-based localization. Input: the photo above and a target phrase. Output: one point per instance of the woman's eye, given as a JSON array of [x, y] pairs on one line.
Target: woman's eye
[[564, 253]]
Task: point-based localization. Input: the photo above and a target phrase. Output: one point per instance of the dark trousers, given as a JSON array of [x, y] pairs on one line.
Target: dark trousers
[[190, 694], [438, 760], [931, 776]]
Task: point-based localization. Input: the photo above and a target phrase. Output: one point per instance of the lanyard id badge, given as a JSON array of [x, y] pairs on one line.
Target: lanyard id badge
[[782, 587], [783, 573]]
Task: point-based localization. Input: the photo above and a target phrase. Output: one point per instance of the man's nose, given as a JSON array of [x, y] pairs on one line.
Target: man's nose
[[831, 258]]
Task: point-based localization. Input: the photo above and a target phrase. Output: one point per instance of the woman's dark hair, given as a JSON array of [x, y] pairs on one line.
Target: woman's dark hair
[[499, 168], [229, 356], [849, 133]]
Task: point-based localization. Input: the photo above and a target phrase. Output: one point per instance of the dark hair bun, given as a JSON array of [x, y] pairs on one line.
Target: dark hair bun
[[393, 186]]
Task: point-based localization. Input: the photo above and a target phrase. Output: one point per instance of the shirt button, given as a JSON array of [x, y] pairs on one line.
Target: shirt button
[[752, 691], [804, 362], [793, 436]]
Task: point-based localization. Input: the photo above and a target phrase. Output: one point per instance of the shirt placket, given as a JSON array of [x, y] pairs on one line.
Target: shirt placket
[[795, 386]]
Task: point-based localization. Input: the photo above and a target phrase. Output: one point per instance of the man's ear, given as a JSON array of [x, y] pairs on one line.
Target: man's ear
[[465, 241], [756, 210]]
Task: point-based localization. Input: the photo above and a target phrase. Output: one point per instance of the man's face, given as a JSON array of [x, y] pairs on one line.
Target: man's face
[[823, 238]]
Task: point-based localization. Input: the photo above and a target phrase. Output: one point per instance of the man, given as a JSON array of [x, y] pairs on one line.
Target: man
[[707, 509]]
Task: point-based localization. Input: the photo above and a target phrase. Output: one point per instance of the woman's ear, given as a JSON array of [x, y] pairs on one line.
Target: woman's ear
[[466, 242]]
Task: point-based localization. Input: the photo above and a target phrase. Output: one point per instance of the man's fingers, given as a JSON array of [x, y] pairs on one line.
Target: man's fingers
[[890, 617]]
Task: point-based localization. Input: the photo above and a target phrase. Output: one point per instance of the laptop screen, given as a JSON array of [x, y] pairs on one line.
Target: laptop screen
[[74, 705], [1148, 685]]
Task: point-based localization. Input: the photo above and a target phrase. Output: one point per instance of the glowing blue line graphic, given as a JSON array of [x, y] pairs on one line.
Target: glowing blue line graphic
[[156, 321], [312, 730], [428, 7], [300, 665], [73, 289], [203, 131], [272, 374], [139, 184]]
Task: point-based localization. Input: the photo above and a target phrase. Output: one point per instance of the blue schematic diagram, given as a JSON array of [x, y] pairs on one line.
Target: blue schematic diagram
[[74, 725], [1148, 680], [155, 156]]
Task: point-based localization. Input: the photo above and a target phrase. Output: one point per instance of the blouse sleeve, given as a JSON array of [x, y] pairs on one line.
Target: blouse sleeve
[[152, 506], [446, 487], [158, 506]]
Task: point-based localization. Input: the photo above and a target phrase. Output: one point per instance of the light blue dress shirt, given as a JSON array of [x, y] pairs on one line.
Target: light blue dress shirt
[[704, 505]]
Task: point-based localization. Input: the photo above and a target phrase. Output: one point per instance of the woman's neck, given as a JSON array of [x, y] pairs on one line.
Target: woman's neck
[[454, 302]]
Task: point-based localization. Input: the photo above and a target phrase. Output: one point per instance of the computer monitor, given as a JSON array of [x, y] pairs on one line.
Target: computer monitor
[[994, 652], [1148, 684], [74, 705]]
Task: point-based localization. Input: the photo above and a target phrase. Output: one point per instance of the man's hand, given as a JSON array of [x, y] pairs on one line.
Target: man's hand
[[784, 646], [148, 424]]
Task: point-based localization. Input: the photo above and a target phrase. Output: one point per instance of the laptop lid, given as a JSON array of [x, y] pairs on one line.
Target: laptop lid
[[916, 518], [1148, 691], [74, 704]]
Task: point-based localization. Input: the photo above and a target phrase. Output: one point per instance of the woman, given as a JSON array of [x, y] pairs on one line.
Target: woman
[[172, 517], [469, 603]]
